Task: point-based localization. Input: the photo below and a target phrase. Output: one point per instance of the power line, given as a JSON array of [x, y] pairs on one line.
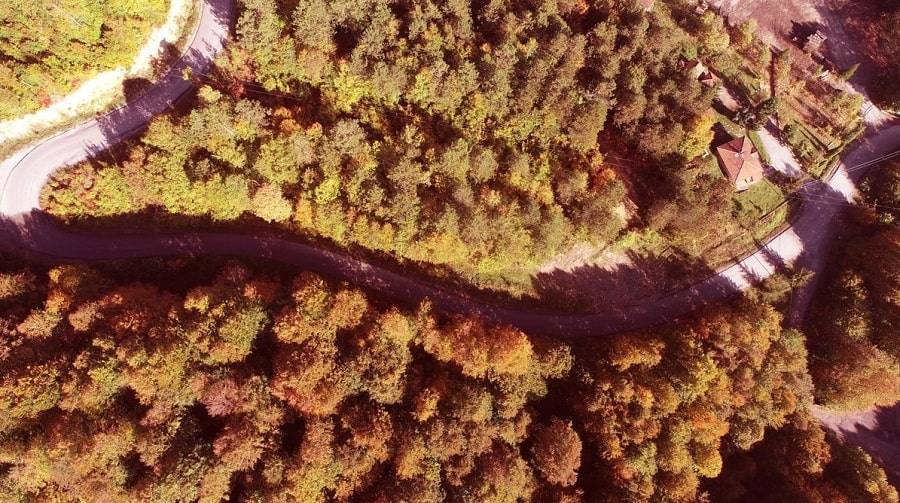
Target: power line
[[824, 199], [871, 162], [260, 89], [71, 17]]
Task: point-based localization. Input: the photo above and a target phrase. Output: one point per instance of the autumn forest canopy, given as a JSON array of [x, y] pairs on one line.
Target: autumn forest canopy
[[49, 47], [255, 384], [167, 380], [464, 137], [855, 314], [465, 143]]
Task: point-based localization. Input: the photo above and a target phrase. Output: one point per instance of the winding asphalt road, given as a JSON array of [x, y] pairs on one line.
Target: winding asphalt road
[[27, 231]]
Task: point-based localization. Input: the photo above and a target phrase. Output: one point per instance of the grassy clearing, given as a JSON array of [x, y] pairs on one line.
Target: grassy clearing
[[710, 166], [733, 128], [756, 202], [760, 212]]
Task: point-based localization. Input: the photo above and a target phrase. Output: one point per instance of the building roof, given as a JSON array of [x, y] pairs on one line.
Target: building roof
[[814, 42], [708, 78], [646, 4], [740, 159]]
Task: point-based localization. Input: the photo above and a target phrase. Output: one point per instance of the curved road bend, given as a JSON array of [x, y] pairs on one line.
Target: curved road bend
[[23, 175]]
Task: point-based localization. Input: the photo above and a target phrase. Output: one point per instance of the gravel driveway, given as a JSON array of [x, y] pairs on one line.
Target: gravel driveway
[[781, 158]]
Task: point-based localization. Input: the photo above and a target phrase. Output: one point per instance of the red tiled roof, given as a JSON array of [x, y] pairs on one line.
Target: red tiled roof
[[708, 78], [739, 159]]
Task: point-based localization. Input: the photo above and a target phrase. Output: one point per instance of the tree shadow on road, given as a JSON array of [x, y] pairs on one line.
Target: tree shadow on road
[[882, 441], [221, 10], [643, 291], [593, 288], [144, 100], [41, 237]]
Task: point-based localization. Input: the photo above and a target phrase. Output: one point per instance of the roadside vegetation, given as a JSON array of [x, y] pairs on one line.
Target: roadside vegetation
[[818, 131], [437, 135], [48, 47], [476, 141], [855, 319], [183, 380], [757, 202]]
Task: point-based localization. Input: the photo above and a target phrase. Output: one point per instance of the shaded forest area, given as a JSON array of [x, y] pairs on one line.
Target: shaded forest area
[[176, 380], [48, 47], [461, 136], [876, 23], [855, 319]]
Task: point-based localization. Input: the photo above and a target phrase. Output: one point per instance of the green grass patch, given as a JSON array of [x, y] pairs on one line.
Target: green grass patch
[[710, 166], [759, 210], [733, 128], [642, 241], [794, 136], [758, 143], [756, 202]]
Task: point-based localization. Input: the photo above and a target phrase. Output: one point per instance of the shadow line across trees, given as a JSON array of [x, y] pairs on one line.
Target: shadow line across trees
[[610, 300]]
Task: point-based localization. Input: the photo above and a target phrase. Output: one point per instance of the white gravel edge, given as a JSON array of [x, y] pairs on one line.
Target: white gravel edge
[[96, 94]]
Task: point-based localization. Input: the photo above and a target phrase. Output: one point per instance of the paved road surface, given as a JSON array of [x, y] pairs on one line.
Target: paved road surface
[[876, 430], [28, 231]]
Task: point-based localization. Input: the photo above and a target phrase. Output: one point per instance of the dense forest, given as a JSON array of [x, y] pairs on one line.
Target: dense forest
[[465, 137], [478, 139], [856, 317], [177, 380], [48, 47], [884, 48]]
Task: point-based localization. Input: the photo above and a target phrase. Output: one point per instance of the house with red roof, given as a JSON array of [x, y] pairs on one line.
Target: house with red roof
[[740, 162]]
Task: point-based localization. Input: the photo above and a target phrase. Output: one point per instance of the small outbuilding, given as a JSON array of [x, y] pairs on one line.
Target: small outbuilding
[[709, 79], [814, 42], [740, 162]]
